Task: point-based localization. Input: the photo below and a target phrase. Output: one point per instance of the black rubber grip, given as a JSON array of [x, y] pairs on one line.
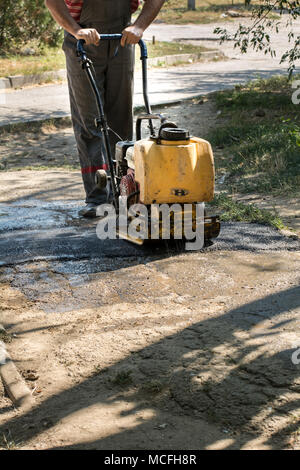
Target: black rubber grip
[[114, 37]]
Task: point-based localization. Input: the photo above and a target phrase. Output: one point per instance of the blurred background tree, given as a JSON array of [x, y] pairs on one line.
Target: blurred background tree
[[258, 35], [22, 22], [191, 4]]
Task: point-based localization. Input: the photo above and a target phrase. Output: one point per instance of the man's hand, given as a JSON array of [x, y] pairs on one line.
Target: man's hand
[[61, 14], [90, 35], [131, 35]]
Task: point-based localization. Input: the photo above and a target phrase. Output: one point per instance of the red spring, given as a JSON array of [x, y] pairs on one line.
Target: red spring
[[130, 188]]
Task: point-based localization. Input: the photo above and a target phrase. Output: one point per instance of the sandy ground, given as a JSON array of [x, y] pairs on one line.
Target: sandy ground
[[188, 352], [144, 351]]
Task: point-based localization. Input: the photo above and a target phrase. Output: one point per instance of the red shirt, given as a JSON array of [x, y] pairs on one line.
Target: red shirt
[[75, 7]]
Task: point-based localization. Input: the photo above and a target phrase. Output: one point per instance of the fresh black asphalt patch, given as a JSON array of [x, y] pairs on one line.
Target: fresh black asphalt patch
[[76, 243]]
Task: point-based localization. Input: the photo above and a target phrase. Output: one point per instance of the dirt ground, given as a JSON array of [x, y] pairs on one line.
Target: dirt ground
[[154, 351], [54, 147], [188, 352]]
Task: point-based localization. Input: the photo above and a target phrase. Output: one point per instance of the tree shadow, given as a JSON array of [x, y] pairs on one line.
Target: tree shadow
[[232, 371]]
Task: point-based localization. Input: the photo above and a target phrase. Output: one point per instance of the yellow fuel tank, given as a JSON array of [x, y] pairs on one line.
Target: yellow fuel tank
[[174, 171]]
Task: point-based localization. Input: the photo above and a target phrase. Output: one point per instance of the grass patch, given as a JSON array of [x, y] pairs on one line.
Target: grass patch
[[153, 387], [5, 337], [258, 138], [52, 59], [36, 126], [237, 211], [7, 442], [123, 378], [176, 12], [162, 48], [38, 167]]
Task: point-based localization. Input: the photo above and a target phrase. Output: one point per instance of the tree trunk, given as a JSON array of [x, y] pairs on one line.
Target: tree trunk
[[191, 4]]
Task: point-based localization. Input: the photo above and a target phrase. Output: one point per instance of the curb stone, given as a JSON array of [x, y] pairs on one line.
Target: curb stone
[[184, 58], [13, 382], [19, 81], [136, 109], [5, 84]]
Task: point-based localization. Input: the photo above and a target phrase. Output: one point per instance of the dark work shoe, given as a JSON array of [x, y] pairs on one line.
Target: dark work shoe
[[89, 211]]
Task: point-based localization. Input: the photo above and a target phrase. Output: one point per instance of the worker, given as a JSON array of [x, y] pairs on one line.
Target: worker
[[114, 69]]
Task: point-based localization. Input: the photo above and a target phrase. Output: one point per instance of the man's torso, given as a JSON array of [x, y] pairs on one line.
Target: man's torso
[[75, 7]]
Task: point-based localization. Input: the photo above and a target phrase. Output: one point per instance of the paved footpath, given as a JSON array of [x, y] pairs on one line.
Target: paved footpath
[[165, 85]]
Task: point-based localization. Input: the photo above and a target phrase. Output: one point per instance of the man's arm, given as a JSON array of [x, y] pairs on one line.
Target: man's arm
[[132, 34], [60, 13]]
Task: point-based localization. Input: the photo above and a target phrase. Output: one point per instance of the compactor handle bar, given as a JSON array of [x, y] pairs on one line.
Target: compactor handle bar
[[115, 37], [144, 56], [101, 121]]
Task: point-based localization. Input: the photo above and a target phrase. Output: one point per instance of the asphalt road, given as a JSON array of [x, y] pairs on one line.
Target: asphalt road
[[165, 85], [32, 230]]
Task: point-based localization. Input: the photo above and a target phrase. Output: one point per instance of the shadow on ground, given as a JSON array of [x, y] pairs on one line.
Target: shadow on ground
[[254, 390]]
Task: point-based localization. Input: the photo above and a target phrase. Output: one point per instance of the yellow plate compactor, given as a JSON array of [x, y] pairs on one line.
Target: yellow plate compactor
[[169, 167]]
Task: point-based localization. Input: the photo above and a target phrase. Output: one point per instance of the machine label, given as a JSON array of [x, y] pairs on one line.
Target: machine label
[[180, 192]]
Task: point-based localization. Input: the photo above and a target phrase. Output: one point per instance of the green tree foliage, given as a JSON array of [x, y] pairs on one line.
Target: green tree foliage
[[268, 17], [25, 20]]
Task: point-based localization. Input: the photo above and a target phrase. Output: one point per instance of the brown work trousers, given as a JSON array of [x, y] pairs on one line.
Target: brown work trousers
[[114, 70]]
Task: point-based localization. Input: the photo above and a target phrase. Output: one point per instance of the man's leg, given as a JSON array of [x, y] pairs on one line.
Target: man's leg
[[119, 92], [84, 111]]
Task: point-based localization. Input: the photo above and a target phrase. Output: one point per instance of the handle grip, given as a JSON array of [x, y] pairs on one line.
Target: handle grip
[[113, 37]]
